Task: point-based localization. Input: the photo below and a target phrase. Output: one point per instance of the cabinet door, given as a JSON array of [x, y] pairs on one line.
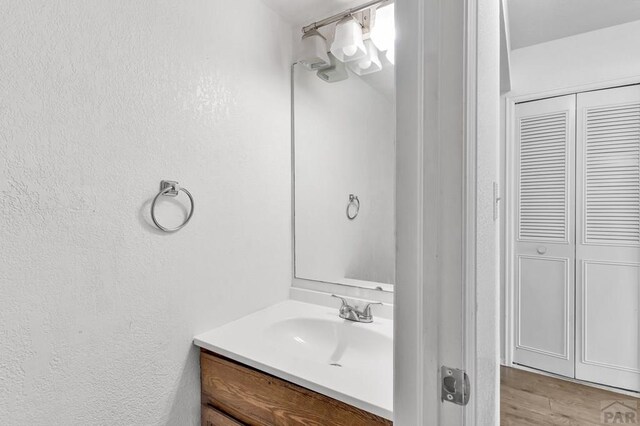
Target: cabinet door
[[544, 246], [255, 398], [608, 237], [213, 417]]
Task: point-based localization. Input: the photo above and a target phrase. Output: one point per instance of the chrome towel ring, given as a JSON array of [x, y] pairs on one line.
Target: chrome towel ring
[[169, 188], [353, 207]]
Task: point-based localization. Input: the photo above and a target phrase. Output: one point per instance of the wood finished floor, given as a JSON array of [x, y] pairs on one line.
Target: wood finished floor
[[529, 399]]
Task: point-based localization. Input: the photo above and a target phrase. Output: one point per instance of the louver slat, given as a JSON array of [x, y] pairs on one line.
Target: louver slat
[[543, 177], [612, 169]]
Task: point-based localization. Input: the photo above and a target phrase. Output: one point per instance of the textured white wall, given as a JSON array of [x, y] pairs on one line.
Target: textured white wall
[[596, 56], [99, 101], [344, 144]]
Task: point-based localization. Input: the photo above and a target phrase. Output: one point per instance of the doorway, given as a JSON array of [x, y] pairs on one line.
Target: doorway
[[570, 234]]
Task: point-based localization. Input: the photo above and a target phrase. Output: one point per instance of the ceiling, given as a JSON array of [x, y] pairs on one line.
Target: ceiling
[[530, 21], [538, 21], [303, 12]]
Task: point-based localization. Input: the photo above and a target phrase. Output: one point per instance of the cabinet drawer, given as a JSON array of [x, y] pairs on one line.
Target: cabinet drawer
[[258, 399], [213, 417]]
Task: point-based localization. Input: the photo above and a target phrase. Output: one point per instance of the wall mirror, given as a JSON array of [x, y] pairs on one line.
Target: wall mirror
[[344, 174]]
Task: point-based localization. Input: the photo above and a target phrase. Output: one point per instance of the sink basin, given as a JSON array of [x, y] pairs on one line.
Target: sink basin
[[311, 346], [337, 343]]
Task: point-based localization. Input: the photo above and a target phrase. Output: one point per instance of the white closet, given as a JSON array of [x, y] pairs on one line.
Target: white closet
[[577, 236]]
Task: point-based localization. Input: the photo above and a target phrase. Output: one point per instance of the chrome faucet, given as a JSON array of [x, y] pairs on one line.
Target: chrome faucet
[[350, 313]]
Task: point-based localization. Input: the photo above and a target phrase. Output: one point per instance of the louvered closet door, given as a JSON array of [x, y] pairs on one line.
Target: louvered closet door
[[544, 246], [608, 237]]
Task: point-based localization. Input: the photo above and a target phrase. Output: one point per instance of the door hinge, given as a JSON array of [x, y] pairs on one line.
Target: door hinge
[[455, 385]]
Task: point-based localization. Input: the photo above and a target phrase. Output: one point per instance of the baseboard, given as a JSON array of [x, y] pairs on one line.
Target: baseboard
[[573, 380]]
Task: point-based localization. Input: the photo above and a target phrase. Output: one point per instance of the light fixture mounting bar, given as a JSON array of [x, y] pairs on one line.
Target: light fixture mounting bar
[[339, 16]]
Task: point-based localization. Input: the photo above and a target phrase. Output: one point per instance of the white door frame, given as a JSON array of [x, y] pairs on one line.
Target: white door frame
[[510, 199], [446, 299]]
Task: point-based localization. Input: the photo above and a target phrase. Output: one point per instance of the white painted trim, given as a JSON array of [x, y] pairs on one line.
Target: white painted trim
[[515, 97], [505, 54], [505, 12], [437, 293], [470, 211], [409, 317], [437, 319], [510, 213], [482, 301], [510, 208]]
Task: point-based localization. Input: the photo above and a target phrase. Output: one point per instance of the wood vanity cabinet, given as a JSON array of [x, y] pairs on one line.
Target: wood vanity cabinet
[[234, 394]]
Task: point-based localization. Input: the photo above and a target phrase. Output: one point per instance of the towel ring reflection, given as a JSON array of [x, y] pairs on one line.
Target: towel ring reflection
[[170, 188], [355, 202]]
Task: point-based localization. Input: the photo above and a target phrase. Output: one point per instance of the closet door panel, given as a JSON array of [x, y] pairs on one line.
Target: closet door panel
[[608, 238], [543, 286], [608, 339], [544, 246]]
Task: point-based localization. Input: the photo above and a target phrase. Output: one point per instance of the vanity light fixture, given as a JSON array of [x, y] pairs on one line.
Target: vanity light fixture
[[313, 51], [347, 44], [334, 73], [383, 33], [370, 63]]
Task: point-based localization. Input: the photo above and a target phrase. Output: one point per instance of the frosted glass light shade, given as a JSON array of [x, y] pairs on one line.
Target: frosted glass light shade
[[347, 44], [383, 32], [391, 55], [312, 53], [370, 63]]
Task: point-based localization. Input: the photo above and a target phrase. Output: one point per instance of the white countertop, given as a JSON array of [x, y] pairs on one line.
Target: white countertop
[[299, 342]]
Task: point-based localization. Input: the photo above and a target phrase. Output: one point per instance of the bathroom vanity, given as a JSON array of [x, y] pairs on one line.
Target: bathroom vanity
[[235, 394], [296, 363]]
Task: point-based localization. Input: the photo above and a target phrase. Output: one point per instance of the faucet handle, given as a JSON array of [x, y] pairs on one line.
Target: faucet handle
[[345, 308], [367, 308], [344, 301]]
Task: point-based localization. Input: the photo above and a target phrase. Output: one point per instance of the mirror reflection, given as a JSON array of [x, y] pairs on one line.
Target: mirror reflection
[[344, 157]]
